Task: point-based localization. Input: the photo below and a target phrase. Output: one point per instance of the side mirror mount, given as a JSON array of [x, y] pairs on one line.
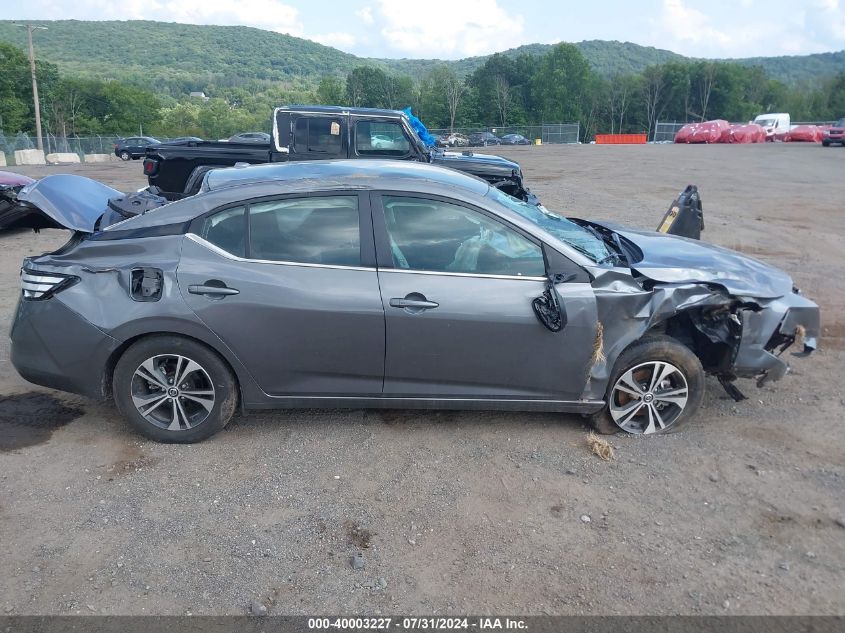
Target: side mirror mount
[[548, 308]]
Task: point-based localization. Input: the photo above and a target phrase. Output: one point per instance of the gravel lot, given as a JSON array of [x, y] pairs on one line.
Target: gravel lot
[[742, 512]]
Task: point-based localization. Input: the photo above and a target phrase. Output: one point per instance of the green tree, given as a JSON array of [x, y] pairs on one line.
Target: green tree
[[331, 91], [560, 84], [14, 73]]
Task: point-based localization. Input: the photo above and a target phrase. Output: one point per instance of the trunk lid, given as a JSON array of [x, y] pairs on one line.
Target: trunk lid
[[60, 201]]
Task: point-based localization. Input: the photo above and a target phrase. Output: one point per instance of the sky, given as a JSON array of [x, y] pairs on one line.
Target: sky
[[452, 29]]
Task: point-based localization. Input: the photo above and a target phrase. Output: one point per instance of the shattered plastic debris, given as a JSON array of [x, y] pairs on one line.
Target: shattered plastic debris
[[600, 447]]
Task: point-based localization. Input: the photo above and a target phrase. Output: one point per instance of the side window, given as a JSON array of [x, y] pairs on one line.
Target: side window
[[226, 230], [381, 138], [438, 236], [320, 135], [321, 230]]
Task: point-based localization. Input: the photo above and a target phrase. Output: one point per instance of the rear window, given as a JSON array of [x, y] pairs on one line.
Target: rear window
[[307, 230], [320, 230]]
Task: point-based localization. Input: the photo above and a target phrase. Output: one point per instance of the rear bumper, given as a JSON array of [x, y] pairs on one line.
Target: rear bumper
[[53, 346]]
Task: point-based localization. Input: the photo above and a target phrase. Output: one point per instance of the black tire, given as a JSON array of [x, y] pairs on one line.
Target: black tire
[[825, 143], [650, 349], [196, 422], [124, 155]]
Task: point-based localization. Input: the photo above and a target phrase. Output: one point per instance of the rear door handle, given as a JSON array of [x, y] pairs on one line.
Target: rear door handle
[[212, 290], [417, 304]]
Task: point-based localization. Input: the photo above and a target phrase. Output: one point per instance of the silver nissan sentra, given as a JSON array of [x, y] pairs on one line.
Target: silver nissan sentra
[[385, 284]]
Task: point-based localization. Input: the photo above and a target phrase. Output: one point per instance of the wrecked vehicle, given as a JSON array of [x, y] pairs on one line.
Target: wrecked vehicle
[[306, 133], [385, 285], [10, 184]]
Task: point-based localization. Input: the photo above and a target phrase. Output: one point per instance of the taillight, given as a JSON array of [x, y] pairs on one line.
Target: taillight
[[38, 285], [116, 145], [150, 166]]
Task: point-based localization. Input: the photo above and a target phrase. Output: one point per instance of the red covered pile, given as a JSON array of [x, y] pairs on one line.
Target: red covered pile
[[749, 133], [804, 134], [704, 132]]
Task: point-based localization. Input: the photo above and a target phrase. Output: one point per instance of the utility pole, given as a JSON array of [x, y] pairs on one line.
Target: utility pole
[[29, 28]]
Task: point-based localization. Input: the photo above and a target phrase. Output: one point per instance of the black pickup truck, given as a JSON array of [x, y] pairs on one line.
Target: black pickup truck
[[322, 133]]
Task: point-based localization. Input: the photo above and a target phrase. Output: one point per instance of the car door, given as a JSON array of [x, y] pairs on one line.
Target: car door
[[290, 286], [457, 285]]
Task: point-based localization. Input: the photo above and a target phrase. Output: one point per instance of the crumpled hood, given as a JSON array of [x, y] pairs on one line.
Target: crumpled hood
[[673, 259], [476, 164]]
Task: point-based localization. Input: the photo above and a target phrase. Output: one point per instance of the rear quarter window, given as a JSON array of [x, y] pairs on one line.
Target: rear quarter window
[[226, 230]]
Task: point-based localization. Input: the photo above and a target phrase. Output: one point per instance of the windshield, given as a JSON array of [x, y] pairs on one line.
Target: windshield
[[765, 122], [565, 230], [840, 123]]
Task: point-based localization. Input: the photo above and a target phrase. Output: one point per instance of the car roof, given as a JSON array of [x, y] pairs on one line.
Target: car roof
[[340, 110], [234, 184], [353, 174]]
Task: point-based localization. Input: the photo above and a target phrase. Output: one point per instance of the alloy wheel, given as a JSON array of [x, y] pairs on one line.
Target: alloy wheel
[[172, 392], [649, 397]]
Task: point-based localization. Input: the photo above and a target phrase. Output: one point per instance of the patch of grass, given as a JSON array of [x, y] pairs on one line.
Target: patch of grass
[[600, 447]]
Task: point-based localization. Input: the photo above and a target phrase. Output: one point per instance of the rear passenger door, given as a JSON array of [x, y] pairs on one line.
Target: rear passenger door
[[290, 286]]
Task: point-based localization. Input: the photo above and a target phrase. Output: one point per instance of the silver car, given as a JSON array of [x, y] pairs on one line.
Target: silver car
[[385, 284]]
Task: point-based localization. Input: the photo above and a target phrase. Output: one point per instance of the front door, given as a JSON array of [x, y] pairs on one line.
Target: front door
[[457, 287], [290, 287]]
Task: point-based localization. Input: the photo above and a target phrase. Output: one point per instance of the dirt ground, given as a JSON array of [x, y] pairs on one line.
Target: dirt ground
[[741, 512]]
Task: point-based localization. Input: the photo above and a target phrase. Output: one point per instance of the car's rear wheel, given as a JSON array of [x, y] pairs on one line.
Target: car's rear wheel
[[124, 155], [657, 384], [173, 389]]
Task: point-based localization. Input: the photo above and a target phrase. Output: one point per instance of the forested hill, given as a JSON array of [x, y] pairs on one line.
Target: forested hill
[[176, 58]]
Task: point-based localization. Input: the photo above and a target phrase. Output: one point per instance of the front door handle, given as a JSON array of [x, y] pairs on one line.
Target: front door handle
[[414, 302], [213, 291]]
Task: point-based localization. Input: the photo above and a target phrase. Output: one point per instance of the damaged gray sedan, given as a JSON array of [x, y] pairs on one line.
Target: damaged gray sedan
[[390, 285]]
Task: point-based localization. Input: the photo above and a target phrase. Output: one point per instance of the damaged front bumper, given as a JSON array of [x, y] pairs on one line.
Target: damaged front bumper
[[767, 333]]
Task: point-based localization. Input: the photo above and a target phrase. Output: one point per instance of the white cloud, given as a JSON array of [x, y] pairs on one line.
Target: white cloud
[[691, 25], [337, 39], [781, 29], [366, 15], [468, 27], [272, 15]]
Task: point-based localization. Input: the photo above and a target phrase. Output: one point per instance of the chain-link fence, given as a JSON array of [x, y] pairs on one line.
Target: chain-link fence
[[664, 131], [81, 145]]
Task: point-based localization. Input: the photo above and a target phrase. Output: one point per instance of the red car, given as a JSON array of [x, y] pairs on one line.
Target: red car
[[836, 134]]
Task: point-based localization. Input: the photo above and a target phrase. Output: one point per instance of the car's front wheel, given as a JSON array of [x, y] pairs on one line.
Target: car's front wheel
[[657, 384], [173, 389]]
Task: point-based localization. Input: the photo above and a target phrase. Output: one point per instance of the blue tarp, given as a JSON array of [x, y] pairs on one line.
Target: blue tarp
[[420, 129]]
